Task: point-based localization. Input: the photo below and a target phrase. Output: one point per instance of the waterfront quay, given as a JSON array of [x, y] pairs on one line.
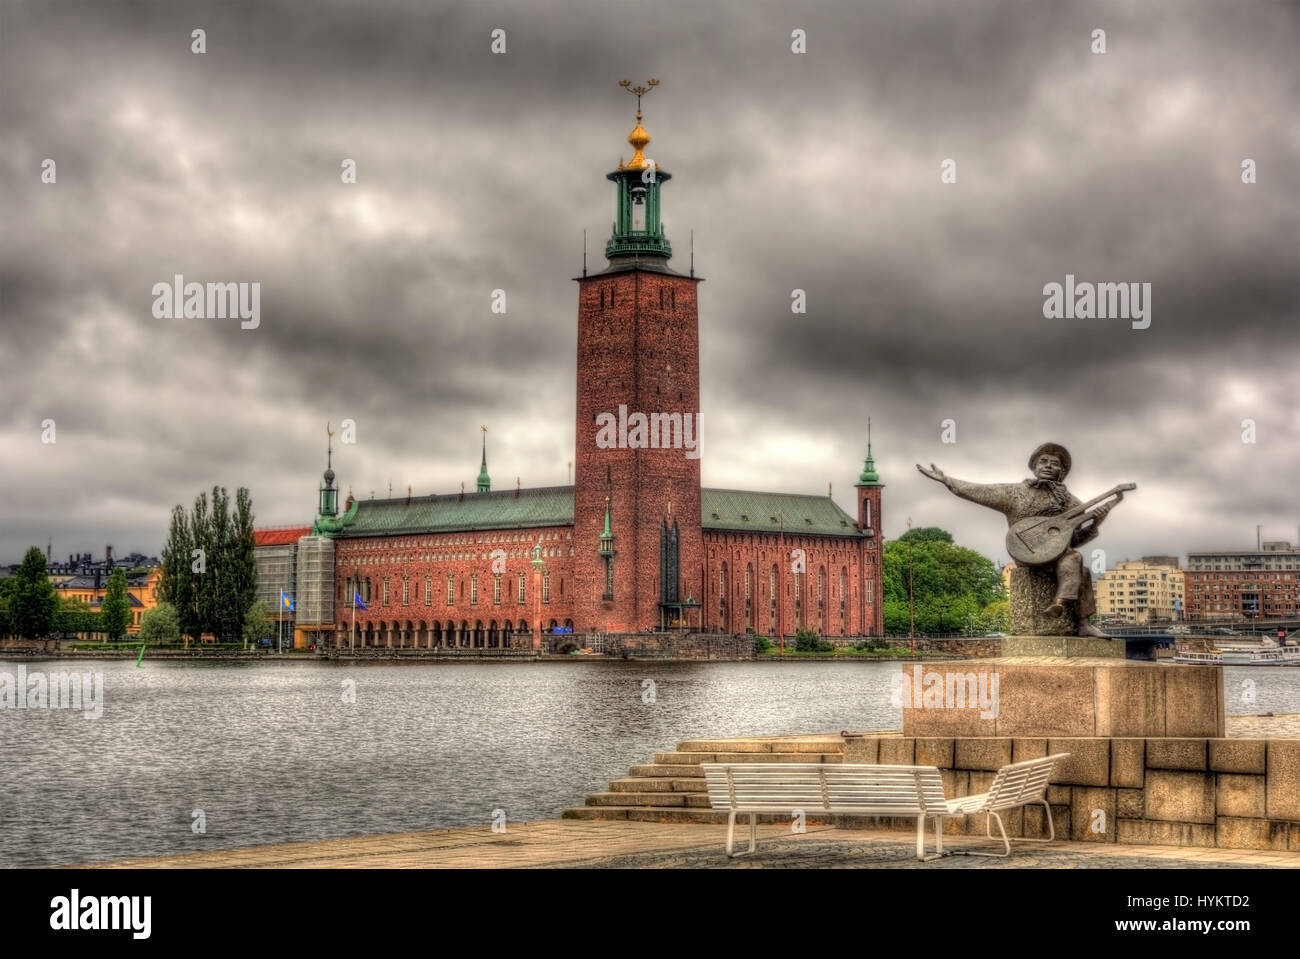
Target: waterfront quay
[[659, 817], [606, 844]]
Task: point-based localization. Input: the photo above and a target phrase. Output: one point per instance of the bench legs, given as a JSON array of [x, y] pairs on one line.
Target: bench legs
[[1006, 843], [731, 834], [938, 840]]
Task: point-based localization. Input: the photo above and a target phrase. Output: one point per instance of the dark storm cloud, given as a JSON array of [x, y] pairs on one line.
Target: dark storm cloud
[[817, 171]]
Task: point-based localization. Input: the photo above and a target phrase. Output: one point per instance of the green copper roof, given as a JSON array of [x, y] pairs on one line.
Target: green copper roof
[[548, 506], [720, 509], [727, 509], [869, 475]]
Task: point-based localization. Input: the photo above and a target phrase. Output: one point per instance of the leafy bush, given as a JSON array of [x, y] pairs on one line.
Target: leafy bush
[[808, 640], [762, 644]]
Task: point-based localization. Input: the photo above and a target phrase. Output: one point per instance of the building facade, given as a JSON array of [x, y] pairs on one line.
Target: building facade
[[636, 543], [1141, 593], [1242, 585]]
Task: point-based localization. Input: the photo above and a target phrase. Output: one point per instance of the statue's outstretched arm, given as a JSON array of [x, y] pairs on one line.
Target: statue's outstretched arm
[[993, 495]]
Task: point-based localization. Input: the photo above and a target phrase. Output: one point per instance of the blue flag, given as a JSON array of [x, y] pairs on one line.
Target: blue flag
[[356, 598], [286, 602]]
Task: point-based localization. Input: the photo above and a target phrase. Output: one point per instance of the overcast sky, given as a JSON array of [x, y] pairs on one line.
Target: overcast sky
[[818, 171]]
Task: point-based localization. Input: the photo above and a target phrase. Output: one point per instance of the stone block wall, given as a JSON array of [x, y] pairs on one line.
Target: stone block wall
[[1225, 793], [679, 646]]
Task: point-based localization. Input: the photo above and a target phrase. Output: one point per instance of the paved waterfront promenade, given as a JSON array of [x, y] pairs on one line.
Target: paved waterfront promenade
[[600, 844]]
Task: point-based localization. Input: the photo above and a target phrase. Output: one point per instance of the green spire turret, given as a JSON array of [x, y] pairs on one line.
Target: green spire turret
[[607, 537], [638, 229], [484, 481], [869, 475]]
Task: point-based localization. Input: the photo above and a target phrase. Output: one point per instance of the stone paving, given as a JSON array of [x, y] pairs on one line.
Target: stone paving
[[612, 844]]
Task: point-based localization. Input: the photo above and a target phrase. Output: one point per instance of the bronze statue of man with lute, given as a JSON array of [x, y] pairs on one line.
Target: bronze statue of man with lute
[[1046, 522]]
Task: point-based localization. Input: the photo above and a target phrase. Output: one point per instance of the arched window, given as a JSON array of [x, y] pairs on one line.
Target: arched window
[[771, 594], [722, 597], [749, 598]]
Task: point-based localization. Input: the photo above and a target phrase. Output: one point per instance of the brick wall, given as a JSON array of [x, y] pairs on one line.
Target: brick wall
[[638, 346]]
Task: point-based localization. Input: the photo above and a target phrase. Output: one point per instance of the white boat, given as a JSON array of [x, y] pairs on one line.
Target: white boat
[[1266, 653]]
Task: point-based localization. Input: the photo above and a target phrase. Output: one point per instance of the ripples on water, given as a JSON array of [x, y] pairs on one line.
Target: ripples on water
[[272, 754]]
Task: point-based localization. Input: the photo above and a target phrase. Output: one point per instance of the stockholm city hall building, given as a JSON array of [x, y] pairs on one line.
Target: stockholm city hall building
[[635, 543]]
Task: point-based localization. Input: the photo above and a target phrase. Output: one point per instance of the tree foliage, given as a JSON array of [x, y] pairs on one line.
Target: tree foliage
[[257, 623], [952, 585], [75, 617], [209, 571], [160, 624], [32, 600], [926, 534], [115, 610]]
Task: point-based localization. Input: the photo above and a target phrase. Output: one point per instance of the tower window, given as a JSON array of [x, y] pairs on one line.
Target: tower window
[[546, 586], [496, 588], [522, 586], [473, 589], [451, 589]]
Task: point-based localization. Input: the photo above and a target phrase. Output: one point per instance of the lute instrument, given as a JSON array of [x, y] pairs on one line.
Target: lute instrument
[[1038, 540]]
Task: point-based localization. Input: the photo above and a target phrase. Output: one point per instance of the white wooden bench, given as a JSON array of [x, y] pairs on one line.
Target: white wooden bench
[[864, 790], [1019, 784], [873, 790]]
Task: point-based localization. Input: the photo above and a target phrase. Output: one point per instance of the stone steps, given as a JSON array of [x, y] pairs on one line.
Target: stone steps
[[680, 814], [655, 784], [697, 800], [672, 789], [666, 771], [695, 758]]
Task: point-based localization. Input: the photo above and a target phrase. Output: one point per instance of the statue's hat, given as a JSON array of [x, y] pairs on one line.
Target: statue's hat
[[1057, 450]]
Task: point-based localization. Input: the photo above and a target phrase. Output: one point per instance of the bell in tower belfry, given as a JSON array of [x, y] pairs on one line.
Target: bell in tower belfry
[[638, 230]]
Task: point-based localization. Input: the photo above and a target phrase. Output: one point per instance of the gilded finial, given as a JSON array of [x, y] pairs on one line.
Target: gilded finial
[[639, 138]]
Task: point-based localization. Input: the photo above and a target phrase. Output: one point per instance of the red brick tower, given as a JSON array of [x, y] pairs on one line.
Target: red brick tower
[[638, 550]]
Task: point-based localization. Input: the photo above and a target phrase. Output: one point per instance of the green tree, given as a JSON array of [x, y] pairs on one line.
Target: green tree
[[6, 591], [243, 561], [76, 616], [115, 610], [209, 569], [32, 601], [160, 624], [225, 611], [201, 617], [808, 640], [952, 585], [257, 623], [926, 534]]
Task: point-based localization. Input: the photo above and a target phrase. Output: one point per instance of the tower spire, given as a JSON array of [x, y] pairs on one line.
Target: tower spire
[[869, 475], [638, 230], [328, 494], [484, 481]]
